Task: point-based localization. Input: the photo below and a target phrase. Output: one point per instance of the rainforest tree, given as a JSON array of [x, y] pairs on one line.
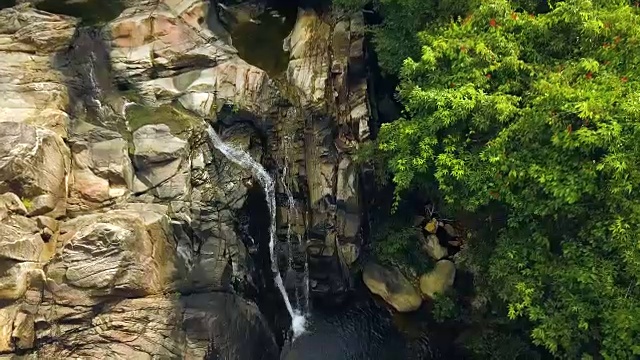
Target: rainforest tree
[[536, 115]]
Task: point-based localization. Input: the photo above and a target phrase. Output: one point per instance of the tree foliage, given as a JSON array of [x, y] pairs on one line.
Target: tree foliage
[[539, 115], [397, 37], [396, 243]]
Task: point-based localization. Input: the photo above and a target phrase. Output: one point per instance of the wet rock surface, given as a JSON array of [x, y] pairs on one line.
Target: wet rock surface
[[122, 235]]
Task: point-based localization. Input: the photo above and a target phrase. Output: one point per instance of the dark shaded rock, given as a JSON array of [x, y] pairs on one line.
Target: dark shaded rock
[[235, 327]]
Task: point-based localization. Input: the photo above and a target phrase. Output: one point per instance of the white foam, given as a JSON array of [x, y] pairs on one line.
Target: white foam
[[243, 159], [298, 324]]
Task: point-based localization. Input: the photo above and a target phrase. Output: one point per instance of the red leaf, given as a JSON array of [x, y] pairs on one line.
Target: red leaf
[[463, 49], [514, 16], [493, 23], [569, 129], [605, 45], [488, 76], [617, 39], [589, 75], [624, 79]]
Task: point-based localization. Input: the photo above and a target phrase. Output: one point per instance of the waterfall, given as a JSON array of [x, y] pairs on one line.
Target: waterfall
[[244, 160], [94, 92], [125, 105], [306, 280], [294, 211]]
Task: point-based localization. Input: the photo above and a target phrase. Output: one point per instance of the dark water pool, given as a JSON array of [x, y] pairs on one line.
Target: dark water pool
[[91, 12], [260, 43], [359, 330], [7, 4]]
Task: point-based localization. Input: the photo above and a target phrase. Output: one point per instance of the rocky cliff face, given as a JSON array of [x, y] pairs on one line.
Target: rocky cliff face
[[123, 233]]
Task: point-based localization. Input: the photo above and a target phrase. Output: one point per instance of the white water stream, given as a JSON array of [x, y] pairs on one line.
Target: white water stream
[[125, 105], [244, 160]]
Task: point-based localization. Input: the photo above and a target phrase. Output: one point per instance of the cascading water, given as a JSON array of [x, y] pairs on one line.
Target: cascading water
[[244, 160], [125, 105], [306, 281], [293, 211], [94, 90], [290, 201]]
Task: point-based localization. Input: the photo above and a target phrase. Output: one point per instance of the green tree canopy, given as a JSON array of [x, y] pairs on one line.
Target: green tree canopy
[[538, 115], [397, 37]]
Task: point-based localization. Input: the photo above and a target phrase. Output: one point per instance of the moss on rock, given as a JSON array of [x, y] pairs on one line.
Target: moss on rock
[[177, 118]]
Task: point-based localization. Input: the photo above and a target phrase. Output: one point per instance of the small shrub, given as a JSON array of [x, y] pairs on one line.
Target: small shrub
[[28, 203], [396, 243], [445, 307]]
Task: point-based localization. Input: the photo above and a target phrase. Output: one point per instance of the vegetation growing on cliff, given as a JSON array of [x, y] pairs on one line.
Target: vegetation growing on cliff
[[527, 114], [173, 115], [396, 243]]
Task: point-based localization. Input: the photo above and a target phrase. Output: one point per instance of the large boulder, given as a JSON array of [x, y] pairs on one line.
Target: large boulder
[[101, 168], [10, 203], [127, 252], [26, 245], [392, 286], [138, 328], [162, 162], [34, 164], [31, 90], [233, 326], [20, 239], [191, 327], [431, 244], [205, 91], [348, 199], [438, 280], [170, 53], [308, 67], [156, 144], [166, 37], [110, 290], [7, 315]]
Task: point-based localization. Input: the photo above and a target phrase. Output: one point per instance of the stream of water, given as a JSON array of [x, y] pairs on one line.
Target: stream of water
[[125, 105], [244, 160], [302, 299]]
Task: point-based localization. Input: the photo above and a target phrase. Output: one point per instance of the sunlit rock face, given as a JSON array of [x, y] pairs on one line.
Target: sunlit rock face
[[122, 231], [168, 51], [34, 159]]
